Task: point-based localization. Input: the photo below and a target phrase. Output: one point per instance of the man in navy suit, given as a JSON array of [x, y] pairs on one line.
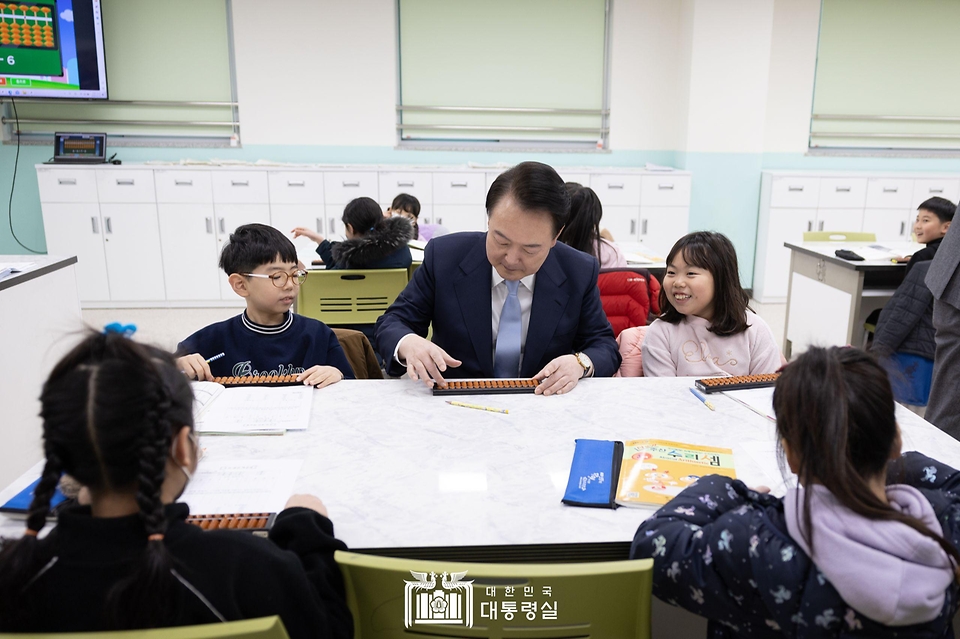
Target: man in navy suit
[[550, 326]]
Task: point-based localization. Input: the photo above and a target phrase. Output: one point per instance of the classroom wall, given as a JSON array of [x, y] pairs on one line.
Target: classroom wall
[[723, 89]]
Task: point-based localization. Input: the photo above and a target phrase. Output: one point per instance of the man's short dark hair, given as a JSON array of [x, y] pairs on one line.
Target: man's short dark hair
[[253, 245], [535, 187], [941, 207], [408, 203]]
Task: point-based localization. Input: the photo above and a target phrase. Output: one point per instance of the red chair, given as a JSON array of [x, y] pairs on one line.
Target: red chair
[[628, 296]]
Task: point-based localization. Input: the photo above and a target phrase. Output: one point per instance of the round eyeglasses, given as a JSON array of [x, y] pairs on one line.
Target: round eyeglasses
[[280, 279]]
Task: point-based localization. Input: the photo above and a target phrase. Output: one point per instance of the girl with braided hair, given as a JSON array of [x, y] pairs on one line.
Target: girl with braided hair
[[117, 416]]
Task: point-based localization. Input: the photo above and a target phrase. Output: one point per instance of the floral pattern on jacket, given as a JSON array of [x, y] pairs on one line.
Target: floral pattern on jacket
[[722, 551]]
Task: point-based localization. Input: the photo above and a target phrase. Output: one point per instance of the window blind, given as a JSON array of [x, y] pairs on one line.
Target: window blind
[[886, 75], [502, 71]]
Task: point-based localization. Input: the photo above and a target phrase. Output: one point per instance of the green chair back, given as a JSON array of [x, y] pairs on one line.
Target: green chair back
[[838, 236], [394, 598], [264, 628], [356, 296]]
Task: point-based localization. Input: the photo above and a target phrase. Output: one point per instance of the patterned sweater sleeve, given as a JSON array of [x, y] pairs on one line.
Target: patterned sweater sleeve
[[715, 556]]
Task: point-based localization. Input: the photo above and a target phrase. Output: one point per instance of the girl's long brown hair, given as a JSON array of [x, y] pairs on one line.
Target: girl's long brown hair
[[835, 411]]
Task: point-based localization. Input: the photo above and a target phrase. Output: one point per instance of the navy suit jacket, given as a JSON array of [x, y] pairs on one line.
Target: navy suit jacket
[[452, 290]]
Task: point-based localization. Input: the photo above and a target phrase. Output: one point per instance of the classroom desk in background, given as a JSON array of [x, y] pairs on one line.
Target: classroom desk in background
[[39, 321], [829, 298], [403, 473]]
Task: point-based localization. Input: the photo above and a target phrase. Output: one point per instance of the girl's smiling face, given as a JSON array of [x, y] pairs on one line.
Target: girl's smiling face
[[689, 288]]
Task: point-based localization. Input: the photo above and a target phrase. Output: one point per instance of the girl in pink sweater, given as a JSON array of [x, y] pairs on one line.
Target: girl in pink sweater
[[706, 328]]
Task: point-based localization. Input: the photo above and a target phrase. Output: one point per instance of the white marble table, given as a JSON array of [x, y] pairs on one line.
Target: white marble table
[[404, 472]]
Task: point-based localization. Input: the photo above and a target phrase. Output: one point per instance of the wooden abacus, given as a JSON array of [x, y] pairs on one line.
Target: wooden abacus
[[739, 382], [486, 386], [262, 380], [251, 522]]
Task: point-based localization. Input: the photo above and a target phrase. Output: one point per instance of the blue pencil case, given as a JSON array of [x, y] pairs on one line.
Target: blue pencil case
[[594, 474], [19, 504]]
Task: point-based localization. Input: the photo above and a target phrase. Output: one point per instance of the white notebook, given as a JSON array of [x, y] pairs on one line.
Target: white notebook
[[250, 410]]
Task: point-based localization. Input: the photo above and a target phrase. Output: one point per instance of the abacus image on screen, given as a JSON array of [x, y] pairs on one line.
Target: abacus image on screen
[[52, 49], [487, 387], [29, 39], [739, 382]]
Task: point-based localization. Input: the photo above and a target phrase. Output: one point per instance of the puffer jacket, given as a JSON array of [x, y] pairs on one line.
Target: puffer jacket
[[724, 552], [385, 246], [906, 322]]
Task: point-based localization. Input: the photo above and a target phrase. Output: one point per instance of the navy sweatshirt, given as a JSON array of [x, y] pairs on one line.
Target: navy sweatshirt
[[252, 349]]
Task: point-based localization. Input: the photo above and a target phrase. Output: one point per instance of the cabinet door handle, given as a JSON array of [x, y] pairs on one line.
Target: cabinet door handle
[[933, 189], [209, 223], [843, 189], [239, 182], [124, 182], [633, 227], [223, 226], [319, 225], [109, 224], [332, 226], [183, 182], [617, 185], [903, 227], [458, 185], [809, 226], [67, 181], [643, 227], [296, 183], [665, 187], [401, 184], [820, 227], [440, 221], [890, 189], [795, 188], [351, 184], [95, 224]]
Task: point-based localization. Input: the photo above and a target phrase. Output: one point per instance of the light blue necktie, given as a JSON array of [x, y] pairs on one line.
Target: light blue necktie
[[507, 360]]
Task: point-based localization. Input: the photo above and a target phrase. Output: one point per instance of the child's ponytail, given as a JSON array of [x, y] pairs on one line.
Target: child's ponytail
[[835, 412]]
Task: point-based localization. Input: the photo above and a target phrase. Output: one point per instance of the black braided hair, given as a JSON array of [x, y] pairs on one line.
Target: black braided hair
[[110, 410], [147, 596]]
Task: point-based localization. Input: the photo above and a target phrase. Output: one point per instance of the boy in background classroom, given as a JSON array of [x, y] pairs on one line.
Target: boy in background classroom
[[268, 338], [934, 217]]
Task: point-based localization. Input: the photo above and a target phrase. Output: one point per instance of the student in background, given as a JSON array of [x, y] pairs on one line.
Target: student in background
[[267, 338], [405, 205], [934, 217], [706, 328], [118, 417], [905, 341], [582, 231], [373, 241], [865, 547]]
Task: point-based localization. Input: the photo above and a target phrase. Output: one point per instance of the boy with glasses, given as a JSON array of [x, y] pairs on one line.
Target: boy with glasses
[[267, 338]]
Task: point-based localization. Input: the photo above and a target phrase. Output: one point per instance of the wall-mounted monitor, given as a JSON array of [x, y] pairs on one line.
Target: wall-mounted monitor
[[52, 49]]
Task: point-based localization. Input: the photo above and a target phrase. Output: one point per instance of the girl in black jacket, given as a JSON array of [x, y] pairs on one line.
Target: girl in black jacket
[[118, 417], [373, 241]]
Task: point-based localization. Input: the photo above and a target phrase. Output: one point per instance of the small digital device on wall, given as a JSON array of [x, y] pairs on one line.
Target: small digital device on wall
[[80, 148]]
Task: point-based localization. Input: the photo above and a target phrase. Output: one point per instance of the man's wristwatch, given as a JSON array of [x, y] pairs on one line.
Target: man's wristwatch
[[584, 362]]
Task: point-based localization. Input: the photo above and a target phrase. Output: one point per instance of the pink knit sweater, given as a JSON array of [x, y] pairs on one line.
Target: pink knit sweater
[[688, 349]]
